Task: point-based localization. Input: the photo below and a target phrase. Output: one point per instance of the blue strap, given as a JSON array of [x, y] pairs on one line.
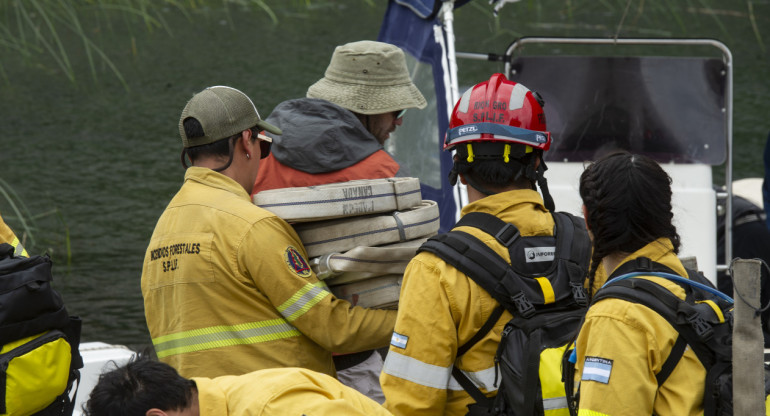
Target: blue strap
[[675, 278]]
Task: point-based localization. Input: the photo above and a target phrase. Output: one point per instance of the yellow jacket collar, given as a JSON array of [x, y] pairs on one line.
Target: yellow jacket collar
[[660, 251], [494, 204], [213, 179]]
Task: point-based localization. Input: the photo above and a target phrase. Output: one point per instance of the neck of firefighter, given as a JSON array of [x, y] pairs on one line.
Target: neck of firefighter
[[474, 194]]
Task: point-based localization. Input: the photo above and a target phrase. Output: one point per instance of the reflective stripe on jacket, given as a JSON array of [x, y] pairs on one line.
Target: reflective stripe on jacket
[[227, 289], [440, 309], [7, 236], [624, 344]]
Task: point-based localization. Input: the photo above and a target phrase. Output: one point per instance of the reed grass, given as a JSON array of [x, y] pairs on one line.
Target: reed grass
[[34, 29], [43, 232]]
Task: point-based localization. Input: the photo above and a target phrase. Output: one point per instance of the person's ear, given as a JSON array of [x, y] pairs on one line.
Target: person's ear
[[462, 179], [155, 412]]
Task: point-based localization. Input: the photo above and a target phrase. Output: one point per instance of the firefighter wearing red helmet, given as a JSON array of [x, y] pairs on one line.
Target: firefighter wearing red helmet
[[499, 120], [498, 133]]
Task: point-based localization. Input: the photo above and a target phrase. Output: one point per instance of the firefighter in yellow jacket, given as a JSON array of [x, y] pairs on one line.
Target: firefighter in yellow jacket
[[151, 388], [622, 345], [226, 285], [498, 131]]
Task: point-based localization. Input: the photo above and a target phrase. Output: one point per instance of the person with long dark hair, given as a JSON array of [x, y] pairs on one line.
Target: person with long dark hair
[[622, 346]]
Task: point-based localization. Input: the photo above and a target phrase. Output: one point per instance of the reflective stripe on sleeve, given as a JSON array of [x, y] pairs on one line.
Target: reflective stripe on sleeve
[[303, 300], [416, 371], [555, 403], [429, 375], [586, 412], [484, 379], [223, 336], [19, 250]]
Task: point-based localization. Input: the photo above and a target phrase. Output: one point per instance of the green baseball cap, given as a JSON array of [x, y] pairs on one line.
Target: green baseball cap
[[222, 112]]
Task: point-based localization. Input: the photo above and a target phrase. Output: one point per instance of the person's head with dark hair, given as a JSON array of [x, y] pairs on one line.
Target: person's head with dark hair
[[627, 205], [142, 387], [498, 132], [220, 129]]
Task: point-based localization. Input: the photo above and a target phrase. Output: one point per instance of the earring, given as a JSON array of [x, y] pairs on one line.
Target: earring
[[248, 156]]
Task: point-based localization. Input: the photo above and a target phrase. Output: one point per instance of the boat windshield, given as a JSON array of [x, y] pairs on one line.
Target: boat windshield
[[669, 108]]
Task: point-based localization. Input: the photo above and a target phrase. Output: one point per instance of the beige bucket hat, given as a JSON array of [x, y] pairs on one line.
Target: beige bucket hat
[[368, 77]]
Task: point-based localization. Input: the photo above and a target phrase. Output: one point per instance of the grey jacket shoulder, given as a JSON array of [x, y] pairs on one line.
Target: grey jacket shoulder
[[319, 136]]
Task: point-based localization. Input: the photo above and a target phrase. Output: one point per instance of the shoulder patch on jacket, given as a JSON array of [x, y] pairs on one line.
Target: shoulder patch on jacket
[[398, 340], [597, 369], [296, 262]]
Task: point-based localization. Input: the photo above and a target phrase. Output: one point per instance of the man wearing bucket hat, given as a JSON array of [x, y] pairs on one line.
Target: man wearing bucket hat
[[226, 285], [337, 133]]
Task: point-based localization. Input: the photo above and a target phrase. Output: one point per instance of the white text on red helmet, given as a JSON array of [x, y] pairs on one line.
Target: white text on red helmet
[[467, 129]]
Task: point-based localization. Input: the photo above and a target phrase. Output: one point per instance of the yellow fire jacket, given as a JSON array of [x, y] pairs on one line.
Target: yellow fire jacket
[[227, 289], [7, 236], [440, 309], [282, 391], [625, 344]]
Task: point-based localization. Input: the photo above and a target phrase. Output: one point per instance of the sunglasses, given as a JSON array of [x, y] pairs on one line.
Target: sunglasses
[[399, 114], [264, 145]]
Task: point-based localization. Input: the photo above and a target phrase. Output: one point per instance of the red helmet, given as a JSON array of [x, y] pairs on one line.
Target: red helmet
[[498, 110]]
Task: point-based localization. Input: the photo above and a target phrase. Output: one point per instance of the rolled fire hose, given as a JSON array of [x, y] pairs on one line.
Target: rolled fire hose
[[362, 263], [378, 292], [340, 235], [343, 199]]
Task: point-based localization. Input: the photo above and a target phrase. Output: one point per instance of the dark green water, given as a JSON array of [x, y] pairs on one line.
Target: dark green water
[[108, 158]]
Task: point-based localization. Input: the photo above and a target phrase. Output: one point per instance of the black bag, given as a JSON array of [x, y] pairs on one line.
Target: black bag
[[543, 290], [35, 332], [706, 331]]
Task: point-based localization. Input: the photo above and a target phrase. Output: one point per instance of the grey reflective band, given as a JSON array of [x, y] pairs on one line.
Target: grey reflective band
[[484, 379], [303, 300], [223, 336], [429, 375], [467, 132], [416, 371], [246, 333], [555, 403]]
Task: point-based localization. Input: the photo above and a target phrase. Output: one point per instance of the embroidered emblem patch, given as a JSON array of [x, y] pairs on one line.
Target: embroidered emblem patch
[[296, 262], [398, 340], [597, 369]]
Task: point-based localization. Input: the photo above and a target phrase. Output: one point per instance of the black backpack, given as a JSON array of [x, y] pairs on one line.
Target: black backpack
[[706, 331], [543, 290], [35, 332]]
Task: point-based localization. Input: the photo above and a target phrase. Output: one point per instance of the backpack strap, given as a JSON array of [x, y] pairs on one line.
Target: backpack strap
[[570, 232], [479, 262], [488, 325], [690, 321], [644, 264], [484, 266]]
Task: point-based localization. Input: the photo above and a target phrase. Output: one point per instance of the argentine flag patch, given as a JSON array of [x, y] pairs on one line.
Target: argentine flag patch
[[597, 369], [398, 340]]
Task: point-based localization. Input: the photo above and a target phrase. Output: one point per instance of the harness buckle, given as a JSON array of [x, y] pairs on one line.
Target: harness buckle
[[579, 294], [523, 305], [701, 326], [507, 235]]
